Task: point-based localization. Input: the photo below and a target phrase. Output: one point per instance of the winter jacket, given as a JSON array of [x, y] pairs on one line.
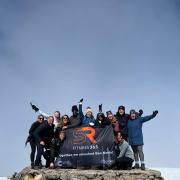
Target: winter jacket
[[123, 120], [31, 130], [54, 149], [85, 120], [125, 150], [103, 123], [75, 121], [135, 134], [44, 132]]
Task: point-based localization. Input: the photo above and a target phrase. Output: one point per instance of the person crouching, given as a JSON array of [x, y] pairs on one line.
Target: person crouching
[[125, 157], [53, 153]]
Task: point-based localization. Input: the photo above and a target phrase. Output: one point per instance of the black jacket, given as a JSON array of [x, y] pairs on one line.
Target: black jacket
[[31, 130], [55, 147], [105, 122], [44, 132], [75, 121], [123, 120]]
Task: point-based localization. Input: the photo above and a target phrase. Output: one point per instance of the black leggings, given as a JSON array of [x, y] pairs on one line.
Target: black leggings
[[124, 163], [33, 150]]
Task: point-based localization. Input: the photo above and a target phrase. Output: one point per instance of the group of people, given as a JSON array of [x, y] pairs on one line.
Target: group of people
[[48, 132]]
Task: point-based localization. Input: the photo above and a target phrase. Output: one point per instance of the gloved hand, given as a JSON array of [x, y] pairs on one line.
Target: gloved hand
[[35, 108], [140, 112], [155, 113], [100, 108], [81, 100]]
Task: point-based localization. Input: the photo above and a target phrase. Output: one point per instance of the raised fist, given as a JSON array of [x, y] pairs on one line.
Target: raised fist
[[35, 108], [155, 113], [81, 100], [140, 112]]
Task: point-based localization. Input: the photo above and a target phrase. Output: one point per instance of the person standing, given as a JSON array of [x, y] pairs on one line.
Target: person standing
[[43, 136], [122, 118], [31, 139], [112, 119], [88, 118], [75, 119], [135, 136]]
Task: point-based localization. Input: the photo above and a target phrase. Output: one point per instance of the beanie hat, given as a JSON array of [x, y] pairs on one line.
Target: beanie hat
[[132, 111], [121, 107], [108, 113], [88, 109], [74, 108]]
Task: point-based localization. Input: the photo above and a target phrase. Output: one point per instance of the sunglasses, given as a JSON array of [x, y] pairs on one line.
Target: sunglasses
[[41, 118]]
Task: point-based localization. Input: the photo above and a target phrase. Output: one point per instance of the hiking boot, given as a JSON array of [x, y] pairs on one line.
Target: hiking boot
[[37, 167], [136, 166], [32, 165], [143, 166]]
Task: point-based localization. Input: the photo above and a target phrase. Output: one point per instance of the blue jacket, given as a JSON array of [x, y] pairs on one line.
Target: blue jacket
[[85, 120], [135, 134]]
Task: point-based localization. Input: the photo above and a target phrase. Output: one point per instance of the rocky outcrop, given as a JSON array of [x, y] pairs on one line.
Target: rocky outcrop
[[74, 174]]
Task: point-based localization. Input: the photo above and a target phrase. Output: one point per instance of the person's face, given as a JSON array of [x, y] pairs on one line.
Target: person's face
[[121, 111], [100, 118], [50, 121], [75, 113], [65, 120], [119, 137], [110, 116], [57, 115], [41, 119], [89, 114], [133, 115], [61, 136]]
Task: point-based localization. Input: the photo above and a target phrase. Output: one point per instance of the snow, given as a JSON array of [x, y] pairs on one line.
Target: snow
[[169, 173]]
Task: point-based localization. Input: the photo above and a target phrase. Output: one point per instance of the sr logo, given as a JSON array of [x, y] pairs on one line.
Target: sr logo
[[82, 134]]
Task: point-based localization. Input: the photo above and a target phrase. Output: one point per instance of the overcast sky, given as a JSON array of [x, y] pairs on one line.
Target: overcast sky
[[115, 52]]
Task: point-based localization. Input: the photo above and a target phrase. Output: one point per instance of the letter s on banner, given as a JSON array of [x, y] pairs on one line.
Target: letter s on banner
[[81, 135]]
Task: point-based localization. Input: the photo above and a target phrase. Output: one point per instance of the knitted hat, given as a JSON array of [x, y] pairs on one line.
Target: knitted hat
[[74, 108], [132, 111], [121, 107], [108, 113], [88, 109]]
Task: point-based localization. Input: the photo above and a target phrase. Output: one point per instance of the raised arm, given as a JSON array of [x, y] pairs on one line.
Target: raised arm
[[37, 110], [80, 108], [147, 118]]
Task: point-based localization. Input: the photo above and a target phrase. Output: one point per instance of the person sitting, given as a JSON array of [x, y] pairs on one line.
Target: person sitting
[[125, 155], [112, 119], [75, 119], [135, 136], [101, 120], [43, 136], [31, 139], [88, 118], [53, 152], [62, 126]]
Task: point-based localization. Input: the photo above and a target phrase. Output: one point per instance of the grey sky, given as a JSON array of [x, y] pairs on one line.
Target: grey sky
[[108, 51]]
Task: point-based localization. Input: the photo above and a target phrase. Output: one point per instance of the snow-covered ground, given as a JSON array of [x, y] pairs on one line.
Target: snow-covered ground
[[167, 173]]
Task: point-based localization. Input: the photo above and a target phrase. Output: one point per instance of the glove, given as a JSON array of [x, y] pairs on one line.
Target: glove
[[100, 108], [35, 108], [155, 113], [140, 112], [81, 100]]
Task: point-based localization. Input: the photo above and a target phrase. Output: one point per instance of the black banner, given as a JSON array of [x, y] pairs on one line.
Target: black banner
[[87, 146]]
